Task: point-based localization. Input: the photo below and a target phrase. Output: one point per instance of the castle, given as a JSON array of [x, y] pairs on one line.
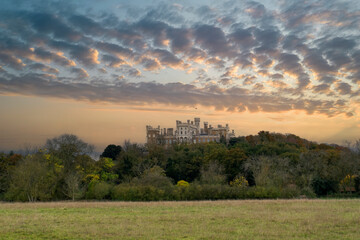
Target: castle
[[188, 132]]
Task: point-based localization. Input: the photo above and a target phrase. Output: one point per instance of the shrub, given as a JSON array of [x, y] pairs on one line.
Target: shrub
[[155, 177], [308, 192], [127, 192], [239, 182], [182, 183], [99, 191], [323, 187]]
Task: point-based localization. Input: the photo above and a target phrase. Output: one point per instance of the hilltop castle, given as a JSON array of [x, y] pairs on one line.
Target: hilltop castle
[[188, 132]]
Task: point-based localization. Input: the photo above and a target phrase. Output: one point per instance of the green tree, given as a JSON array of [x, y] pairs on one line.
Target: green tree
[[111, 151], [129, 161], [67, 147], [213, 173], [7, 165], [155, 177], [234, 162], [32, 180]]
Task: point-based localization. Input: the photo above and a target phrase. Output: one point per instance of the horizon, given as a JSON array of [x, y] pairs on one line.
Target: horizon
[[103, 71]]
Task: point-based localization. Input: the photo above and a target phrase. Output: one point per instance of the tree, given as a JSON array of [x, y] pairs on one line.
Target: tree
[[155, 177], [212, 174], [234, 162], [73, 187], [67, 147], [111, 151], [31, 180], [128, 163], [7, 165]]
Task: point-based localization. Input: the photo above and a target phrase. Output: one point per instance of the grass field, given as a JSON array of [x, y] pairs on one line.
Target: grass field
[[246, 219]]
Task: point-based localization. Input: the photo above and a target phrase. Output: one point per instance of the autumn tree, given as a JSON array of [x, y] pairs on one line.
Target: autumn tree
[[67, 147], [32, 180]]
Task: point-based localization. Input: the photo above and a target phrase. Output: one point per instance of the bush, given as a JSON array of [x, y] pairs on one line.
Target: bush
[[127, 192], [154, 177], [308, 192], [182, 183], [99, 191], [323, 187]]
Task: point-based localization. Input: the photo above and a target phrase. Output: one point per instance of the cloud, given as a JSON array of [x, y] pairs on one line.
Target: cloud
[[115, 49], [11, 61], [86, 55], [181, 39], [132, 72], [243, 38], [44, 68], [170, 93], [112, 61], [248, 55], [343, 88], [166, 58], [150, 64], [87, 25], [80, 72], [290, 64], [212, 39], [47, 23]]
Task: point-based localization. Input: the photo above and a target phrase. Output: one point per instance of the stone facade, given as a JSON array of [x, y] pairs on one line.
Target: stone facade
[[188, 132]]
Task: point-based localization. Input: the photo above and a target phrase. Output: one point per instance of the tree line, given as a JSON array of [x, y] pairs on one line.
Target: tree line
[[266, 165]]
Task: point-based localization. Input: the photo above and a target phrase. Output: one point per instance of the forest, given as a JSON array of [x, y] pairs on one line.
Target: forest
[[266, 165]]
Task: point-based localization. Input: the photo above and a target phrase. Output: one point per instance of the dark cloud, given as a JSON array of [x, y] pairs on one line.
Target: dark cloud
[[322, 88], [156, 30], [85, 55], [170, 93], [87, 25], [316, 63], [132, 72], [44, 68], [277, 76], [256, 10], [181, 39], [290, 64], [269, 39], [113, 61], [216, 62], [51, 24], [243, 38], [212, 39], [81, 73], [166, 58], [11, 61], [150, 64], [115, 49], [339, 43], [343, 88]]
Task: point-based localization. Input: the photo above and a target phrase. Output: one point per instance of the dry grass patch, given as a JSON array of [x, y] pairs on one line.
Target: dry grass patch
[[244, 219]]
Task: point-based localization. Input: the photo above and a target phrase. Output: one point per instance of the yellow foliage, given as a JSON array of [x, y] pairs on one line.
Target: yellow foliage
[[239, 182], [182, 183], [347, 182]]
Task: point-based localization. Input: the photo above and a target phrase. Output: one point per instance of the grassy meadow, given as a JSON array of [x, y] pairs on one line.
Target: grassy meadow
[[244, 219]]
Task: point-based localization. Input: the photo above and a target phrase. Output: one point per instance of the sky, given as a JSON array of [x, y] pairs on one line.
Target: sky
[[103, 70]]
